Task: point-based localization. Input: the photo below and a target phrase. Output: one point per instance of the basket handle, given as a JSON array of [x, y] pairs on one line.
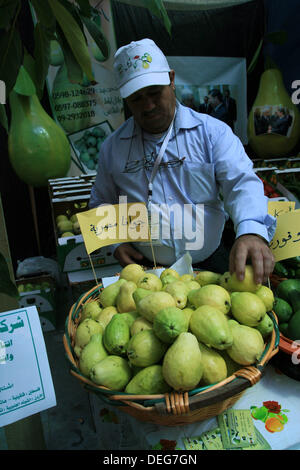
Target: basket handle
[[178, 403]]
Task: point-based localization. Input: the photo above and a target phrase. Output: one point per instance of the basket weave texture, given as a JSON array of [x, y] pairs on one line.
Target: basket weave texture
[[173, 408]]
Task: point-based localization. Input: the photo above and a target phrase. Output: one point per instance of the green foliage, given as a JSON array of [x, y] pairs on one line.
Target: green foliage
[[156, 7], [277, 38], [61, 20]]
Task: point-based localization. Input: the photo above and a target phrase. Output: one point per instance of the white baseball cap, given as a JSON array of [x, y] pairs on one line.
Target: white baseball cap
[[138, 65]]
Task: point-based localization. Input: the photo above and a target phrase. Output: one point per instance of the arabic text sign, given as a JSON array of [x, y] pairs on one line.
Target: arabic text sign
[[276, 208], [286, 241], [26, 384], [109, 224]]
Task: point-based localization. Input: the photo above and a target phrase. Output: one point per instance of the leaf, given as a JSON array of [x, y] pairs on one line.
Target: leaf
[[157, 8], [11, 58], [3, 117], [6, 285], [75, 73], [74, 37], [42, 38], [85, 7], [24, 84], [277, 37], [44, 14], [96, 33], [255, 57], [7, 12]]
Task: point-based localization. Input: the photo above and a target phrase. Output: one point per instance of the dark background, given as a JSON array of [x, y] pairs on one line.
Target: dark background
[[224, 32]]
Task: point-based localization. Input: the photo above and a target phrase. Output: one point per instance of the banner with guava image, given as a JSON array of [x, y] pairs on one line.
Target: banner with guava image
[[87, 112]]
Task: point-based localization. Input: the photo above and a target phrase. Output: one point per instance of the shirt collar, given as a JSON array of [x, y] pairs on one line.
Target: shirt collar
[[185, 119]]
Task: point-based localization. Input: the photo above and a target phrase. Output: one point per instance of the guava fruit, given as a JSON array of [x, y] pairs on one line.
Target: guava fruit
[[150, 305], [148, 381], [91, 354], [267, 296], [210, 326], [139, 294], [130, 317], [67, 234], [60, 218], [124, 300], [91, 309], [76, 228], [207, 277], [178, 290], [116, 335], [231, 365], [247, 345], [247, 308], [106, 315], [168, 279], [293, 329], [169, 271], [192, 285], [214, 366], [182, 364], [283, 310], [213, 295], [188, 313], [84, 332], [187, 277], [223, 280], [65, 226], [285, 287], [265, 326], [109, 294], [140, 324], [248, 284], [112, 372], [145, 349], [150, 281], [169, 323], [132, 272]]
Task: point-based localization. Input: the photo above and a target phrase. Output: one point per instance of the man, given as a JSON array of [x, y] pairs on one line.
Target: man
[[202, 159], [281, 123], [205, 106], [219, 111], [230, 105]]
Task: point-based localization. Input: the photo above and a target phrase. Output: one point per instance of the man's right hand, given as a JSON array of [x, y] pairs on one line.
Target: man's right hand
[[126, 254]]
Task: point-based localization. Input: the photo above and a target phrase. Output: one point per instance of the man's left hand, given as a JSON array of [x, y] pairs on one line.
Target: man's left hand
[[254, 247]]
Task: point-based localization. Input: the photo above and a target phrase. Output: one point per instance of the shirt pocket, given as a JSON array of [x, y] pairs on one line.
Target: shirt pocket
[[200, 182]]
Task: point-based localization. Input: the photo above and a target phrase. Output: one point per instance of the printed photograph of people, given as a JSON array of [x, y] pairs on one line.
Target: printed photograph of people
[[217, 100], [273, 120]]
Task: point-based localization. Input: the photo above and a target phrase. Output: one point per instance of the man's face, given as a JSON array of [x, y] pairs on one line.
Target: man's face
[[212, 100], [153, 107]]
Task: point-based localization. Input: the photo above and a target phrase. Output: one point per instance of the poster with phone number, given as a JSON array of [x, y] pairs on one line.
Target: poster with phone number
[[87, 113]]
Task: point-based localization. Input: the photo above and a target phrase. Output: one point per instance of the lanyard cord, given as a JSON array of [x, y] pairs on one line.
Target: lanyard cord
[[159, 159]]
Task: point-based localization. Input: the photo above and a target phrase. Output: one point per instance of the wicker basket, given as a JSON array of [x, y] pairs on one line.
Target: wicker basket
[[174, 408]]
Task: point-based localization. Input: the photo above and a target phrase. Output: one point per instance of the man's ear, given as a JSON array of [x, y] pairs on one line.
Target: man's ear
[[172, 78]]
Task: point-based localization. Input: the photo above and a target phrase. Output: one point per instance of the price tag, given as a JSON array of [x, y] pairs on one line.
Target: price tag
[[110, 224], [276, 208], [26, 385], [286, 241]]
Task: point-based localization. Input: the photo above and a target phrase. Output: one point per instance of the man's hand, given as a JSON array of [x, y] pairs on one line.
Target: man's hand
[[126, 254], [254, 247]]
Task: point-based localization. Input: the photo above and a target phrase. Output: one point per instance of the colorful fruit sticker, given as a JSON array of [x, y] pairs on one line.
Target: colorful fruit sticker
[[271, 414]]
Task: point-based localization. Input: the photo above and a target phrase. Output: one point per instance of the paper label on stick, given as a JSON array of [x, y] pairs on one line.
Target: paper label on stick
[[26, 385]]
